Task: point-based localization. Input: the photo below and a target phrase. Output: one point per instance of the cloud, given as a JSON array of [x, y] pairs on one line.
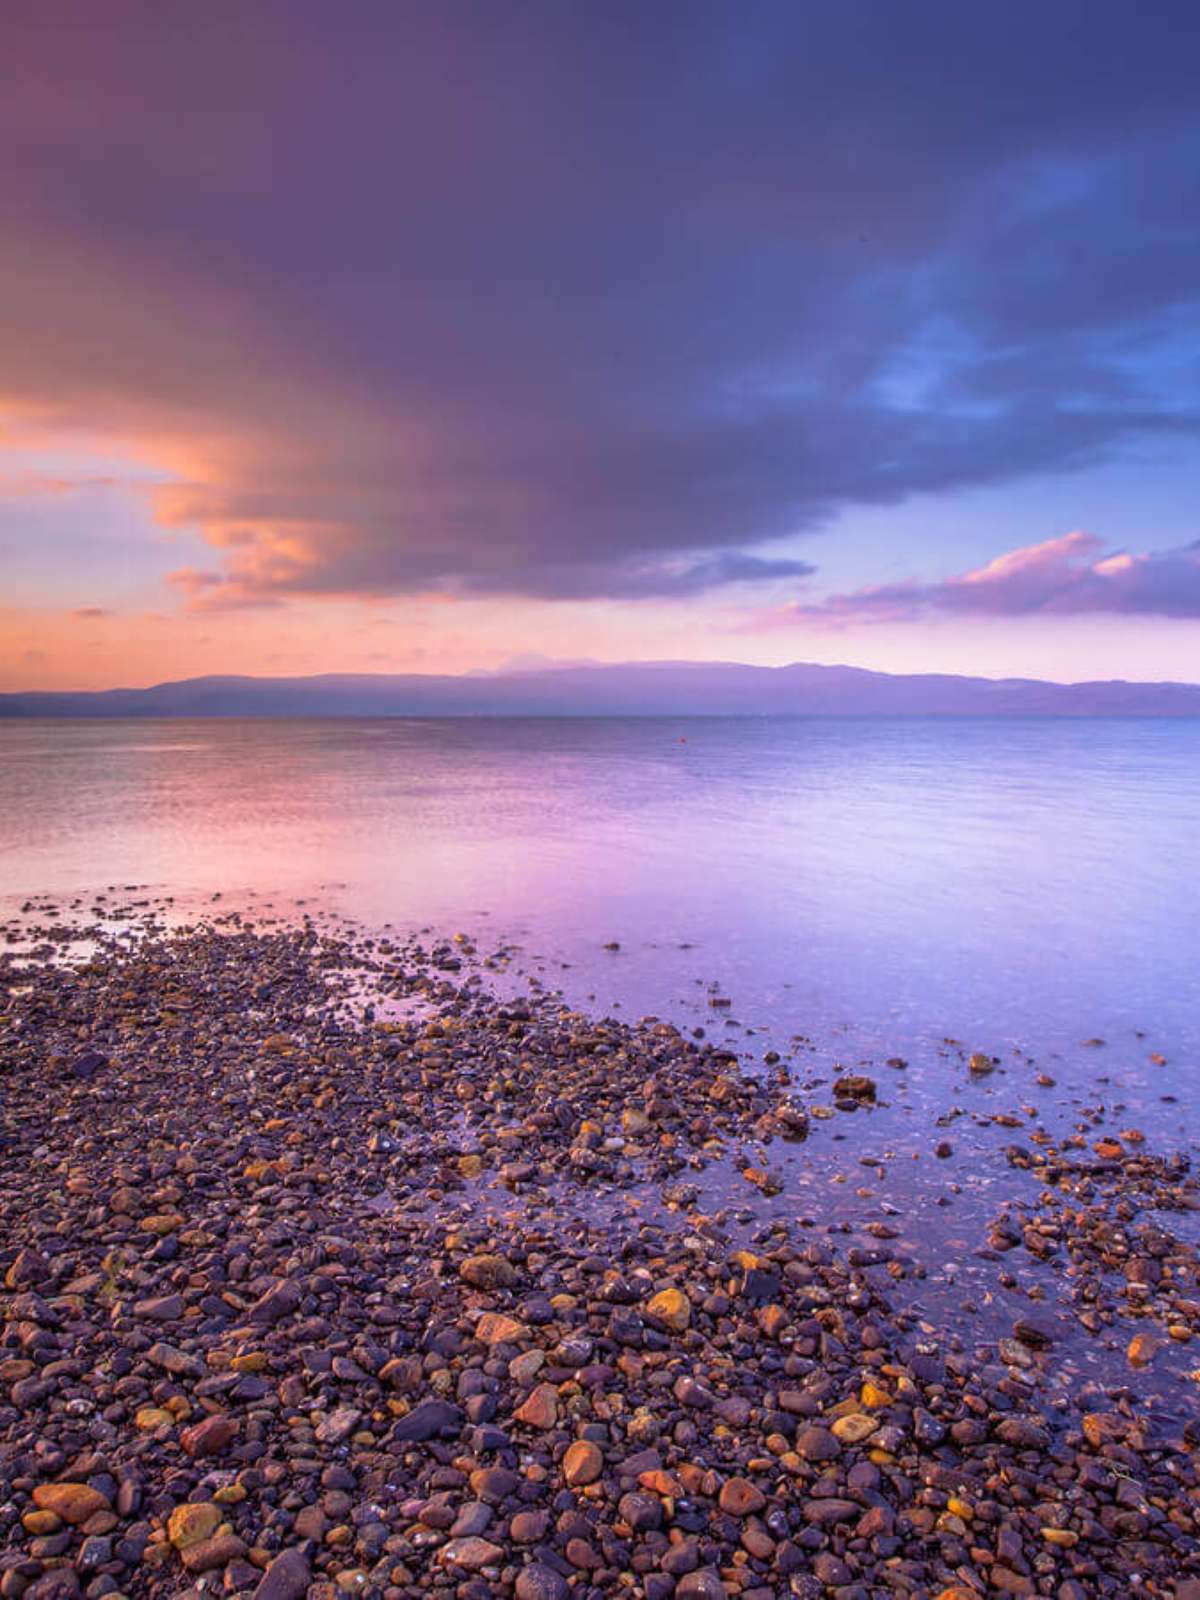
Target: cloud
[[1067, 575], [207, 590], [90, 613], [612, 302]]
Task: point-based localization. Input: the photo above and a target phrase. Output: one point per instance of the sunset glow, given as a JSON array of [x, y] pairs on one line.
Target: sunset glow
[[401, 353]]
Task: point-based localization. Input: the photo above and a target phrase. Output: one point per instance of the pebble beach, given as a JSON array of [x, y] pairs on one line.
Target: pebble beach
[[328, 1271]]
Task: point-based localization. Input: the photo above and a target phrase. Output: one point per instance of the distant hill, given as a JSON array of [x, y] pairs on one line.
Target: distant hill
[[666, 688]]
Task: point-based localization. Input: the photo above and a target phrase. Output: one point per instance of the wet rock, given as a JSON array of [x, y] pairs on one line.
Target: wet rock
[[281, 1300], [287, 1578], [538, 1581], [193, 1523], [428, 1420], [163, 1308], [818, 1444], [488, 1272], [74, 1503], [472, 1554], [583, 1463], [540, 1410], [672, 1308], [208, 1438], [740, 1498], [854, 1086], [87, 1064], [211, 1554], [703, 1584]]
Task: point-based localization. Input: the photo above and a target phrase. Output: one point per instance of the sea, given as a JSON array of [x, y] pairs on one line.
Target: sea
[[1008, 882], [875, 896]]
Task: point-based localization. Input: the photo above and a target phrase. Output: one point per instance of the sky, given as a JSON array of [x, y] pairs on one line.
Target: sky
[[383, 337]]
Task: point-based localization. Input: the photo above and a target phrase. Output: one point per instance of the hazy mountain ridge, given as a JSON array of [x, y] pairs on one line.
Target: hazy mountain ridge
[[634, 689]]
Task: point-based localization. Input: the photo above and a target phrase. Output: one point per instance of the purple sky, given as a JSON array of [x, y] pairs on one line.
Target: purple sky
[[345, 336]]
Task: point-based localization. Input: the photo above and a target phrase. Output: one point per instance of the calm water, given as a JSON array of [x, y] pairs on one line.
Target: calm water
[[874, 886], [1028, 883]]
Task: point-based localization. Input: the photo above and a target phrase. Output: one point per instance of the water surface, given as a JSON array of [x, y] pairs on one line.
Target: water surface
[[882, 895], [1008, 882]]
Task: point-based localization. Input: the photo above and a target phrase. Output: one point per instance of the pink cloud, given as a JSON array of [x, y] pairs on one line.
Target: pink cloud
[[209, 591], [1058, 576]]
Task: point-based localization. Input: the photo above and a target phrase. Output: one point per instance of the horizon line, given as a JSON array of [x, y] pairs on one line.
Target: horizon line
[[553, 668]]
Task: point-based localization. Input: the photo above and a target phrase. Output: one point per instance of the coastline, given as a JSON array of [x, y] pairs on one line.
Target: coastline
[[326, 1268]]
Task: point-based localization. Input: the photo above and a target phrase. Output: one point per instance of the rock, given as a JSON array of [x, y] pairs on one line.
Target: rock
[[529, 1527], [427, 1420], [29, 1267], [494, 1484], [473, 1554], [979, 1063], [643, 1512], [538, 1581], [703, 1584], [853, 1428], [41, 1522], [818, 1444], [174, 1361], [1023, 1434], [740, 1498], [672, 1308], [312, 1523], [473, 1519], [94, 1552], [193, 1523], [760, 1284], [281, 1300], [854, 1086], [165, 1308], [689, 1392], [1035, 1332], [494, 1328], [582, 1464], [60, 1583], [540, 1410], [287, 1578], [211, 1554], [210, 1437], [825, 1512], [75, 1503], [878, 1522], [1142, 1349], [1104, 1427], [1064, 1538], [488, 1272], [337, 1427]]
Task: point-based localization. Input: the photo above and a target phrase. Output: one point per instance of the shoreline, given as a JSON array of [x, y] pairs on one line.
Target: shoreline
[[302, 1293]]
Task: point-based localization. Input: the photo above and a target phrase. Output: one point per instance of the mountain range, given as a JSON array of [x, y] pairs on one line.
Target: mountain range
[[658, 688]]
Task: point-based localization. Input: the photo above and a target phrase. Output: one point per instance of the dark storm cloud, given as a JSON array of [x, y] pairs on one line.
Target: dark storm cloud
[[591, 301]]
